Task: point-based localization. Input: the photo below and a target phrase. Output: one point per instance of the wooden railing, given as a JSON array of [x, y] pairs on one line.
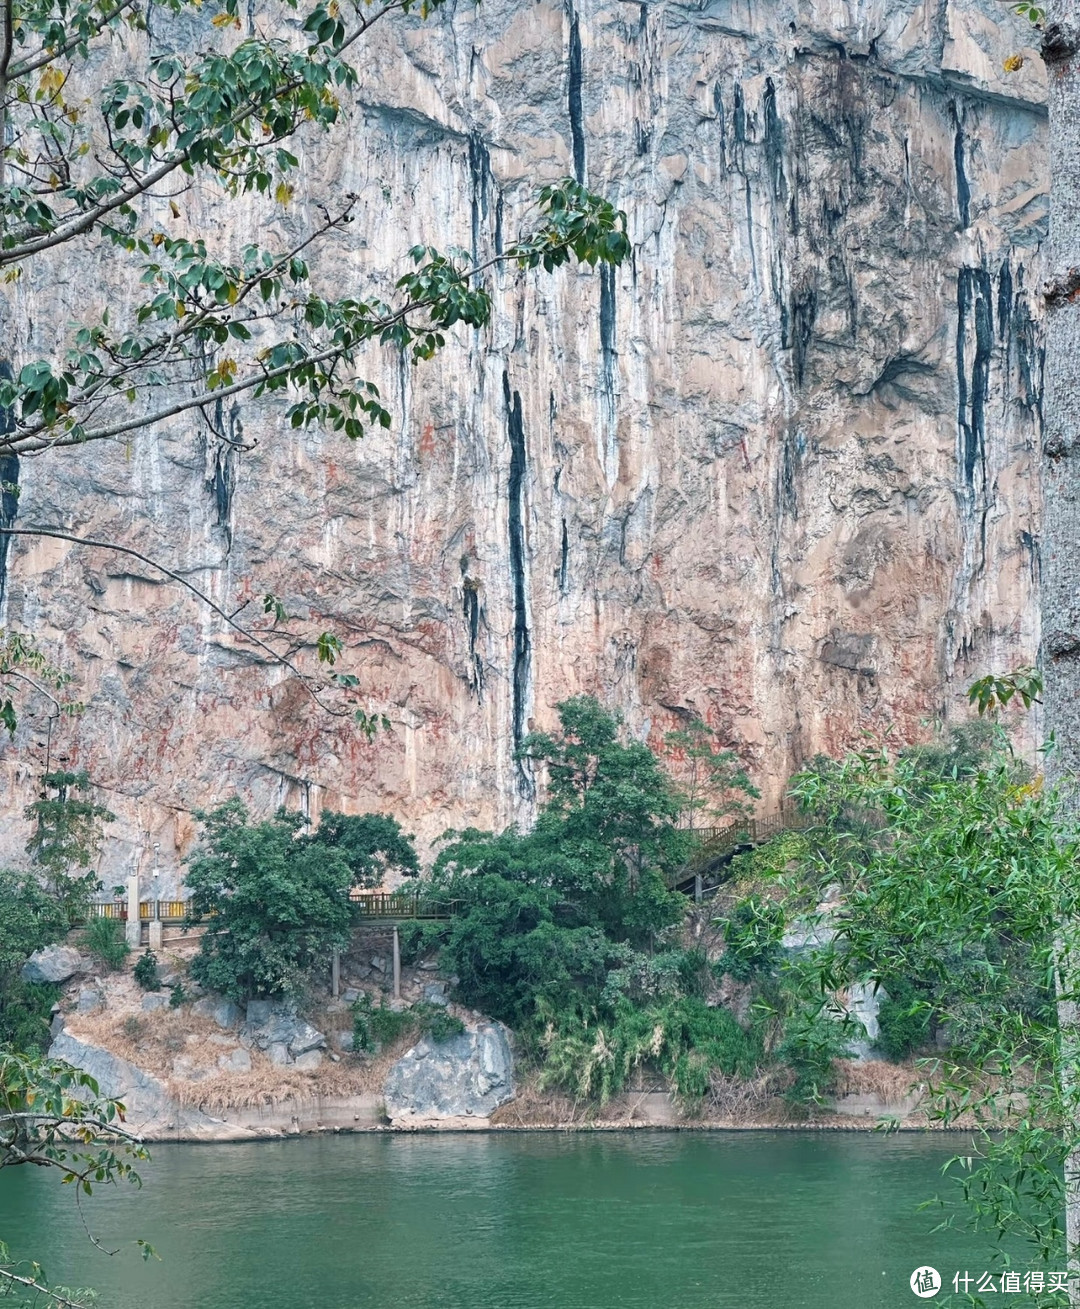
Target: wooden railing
[[370, 904], [719, 842], [715, 843], [400, 904], [168, 911]]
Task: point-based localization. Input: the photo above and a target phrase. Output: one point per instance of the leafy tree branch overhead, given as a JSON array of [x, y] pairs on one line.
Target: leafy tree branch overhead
[[101, 168]]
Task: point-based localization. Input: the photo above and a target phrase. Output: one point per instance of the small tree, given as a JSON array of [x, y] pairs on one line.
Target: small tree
[[67, 837], [280, 900], [716, 782]]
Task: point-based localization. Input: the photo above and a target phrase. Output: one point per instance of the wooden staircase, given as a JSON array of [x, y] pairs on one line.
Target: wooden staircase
[[703, 872]]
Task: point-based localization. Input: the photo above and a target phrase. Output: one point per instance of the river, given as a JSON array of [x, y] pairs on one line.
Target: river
[[636, 1220]]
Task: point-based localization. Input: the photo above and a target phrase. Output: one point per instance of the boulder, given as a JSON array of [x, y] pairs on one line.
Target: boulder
[[90, 1000], [378, 962], [465, 1077], [259, 1011], [278, 1053], [345, 1041], [55, 963], [269, 1025], [144, 1096], [350, 995], [223, 1012], [309, 1059], [155, 1000], [305, 1038], [435, 993], [238, 1061]]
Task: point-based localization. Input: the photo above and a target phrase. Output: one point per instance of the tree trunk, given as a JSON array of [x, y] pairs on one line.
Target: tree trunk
[[1061, 497]]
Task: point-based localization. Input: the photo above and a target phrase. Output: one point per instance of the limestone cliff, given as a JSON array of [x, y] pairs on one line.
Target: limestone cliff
[[777, 470]]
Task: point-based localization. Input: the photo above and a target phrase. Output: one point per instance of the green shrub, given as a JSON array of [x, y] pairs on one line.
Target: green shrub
[[146, 973], [753, 936], [177, 995], [29, 919], [105, 941], [436, 1022], [812, 1043], [26, 1015], [904, 1020], [374, 1028], [683, 1038]]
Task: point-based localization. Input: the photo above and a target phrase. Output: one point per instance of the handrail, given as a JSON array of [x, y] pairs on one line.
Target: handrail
[[721, 841], [370, 904]]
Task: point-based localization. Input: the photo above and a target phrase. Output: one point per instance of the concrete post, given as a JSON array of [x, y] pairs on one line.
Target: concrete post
[[697, 888], [133, 929], [156, 927], [335, 974], [397, 964]]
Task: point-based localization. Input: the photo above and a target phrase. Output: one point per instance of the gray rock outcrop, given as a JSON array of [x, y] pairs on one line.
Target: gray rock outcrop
[[55, 963], [274, 1027], [453, 1082], [223, 1012]]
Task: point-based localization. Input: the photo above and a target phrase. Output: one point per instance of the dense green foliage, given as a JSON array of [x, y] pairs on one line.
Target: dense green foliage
[[752, 934], [680, 1036], [280, 902], [569, 932], [904, 1019], [376, 1026], [373, 846], [960, 897], [29, 919], [67, 837], [280, 895]]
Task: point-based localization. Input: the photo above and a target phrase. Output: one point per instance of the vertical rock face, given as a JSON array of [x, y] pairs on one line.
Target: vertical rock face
[[777, 470]]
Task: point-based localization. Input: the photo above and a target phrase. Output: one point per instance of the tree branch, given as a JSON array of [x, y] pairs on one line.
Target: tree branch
[[33, 62], [73, 226], [29, 1284], [248, 635]]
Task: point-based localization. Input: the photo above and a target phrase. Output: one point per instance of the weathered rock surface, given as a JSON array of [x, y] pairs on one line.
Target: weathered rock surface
[[274, 1027], [460, 1080], [55, 963], [237, 1061], [143, 1095], [775, 471], [90, 1000], [223, 1012], [152, 1113]]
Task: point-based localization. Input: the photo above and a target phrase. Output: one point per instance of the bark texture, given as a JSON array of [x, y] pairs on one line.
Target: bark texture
[[776, 471], [1061, 491]]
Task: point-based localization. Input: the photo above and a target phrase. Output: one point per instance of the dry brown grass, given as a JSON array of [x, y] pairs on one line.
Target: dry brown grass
[[152, 1041], [890, 1082]]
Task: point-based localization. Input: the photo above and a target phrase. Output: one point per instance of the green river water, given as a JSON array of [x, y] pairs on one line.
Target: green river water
[[508, 1221]]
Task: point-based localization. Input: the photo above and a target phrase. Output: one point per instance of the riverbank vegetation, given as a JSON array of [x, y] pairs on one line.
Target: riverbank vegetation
[[933, 884]]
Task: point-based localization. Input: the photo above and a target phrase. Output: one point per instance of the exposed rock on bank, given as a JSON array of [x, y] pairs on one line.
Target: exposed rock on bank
[[459, 1082], [55, 963]]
